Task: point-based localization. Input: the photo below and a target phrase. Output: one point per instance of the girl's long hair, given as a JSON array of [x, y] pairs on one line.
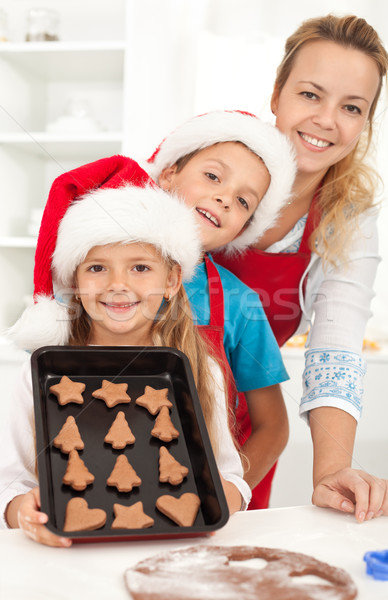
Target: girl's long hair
[[350, 185], [173, 327]]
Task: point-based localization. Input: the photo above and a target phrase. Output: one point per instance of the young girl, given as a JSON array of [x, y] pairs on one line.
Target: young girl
[[121, 253], [323, 249]]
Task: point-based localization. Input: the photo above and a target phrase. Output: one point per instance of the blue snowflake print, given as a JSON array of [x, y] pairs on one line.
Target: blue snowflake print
[[338, 375], [325, 357]]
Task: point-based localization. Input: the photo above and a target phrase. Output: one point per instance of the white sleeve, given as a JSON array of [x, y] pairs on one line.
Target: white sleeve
[[227, 457], [339, 300], [17, 444]]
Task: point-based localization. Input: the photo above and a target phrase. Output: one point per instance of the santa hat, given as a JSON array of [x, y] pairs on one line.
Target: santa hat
[[112, 200], [261, 138]]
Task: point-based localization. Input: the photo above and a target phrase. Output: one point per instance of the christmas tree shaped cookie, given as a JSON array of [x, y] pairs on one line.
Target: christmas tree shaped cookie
[[123, 476], [77, 474], [119, 434], [69, 438], [164, 428], [170, 470]]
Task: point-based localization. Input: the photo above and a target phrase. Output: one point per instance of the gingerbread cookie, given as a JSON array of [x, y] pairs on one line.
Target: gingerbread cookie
[[69, 438], [123, 476], [112, 393], [77, 474], [131, 517], [163, 427], [170, 470], [209, 572], [183, 511], [119, 434], [68, 391], [153, 400], [79, 517]]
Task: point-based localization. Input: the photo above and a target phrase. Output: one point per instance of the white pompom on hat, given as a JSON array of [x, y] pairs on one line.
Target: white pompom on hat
[[260, 137], [110, 201]]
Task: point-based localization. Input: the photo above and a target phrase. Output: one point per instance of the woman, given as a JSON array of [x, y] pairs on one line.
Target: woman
[[317, 265]]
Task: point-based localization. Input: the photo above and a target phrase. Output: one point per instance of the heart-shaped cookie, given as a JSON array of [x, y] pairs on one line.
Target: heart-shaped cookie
[[79, 517], [182, 511]]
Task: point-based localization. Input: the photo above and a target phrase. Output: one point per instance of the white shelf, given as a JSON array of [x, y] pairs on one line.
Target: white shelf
[[17, 242], [66, 61], [40, 80], [64, 145]]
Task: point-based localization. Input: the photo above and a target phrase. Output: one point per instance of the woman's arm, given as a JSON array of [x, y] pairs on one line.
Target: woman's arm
[[333, 377]]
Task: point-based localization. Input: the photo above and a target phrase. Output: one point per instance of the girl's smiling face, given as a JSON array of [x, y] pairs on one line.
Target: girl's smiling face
[[121, 287], [224, 183], [324, 105]]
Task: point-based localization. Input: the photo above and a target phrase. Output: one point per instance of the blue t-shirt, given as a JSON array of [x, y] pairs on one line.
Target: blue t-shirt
[[250, 345]]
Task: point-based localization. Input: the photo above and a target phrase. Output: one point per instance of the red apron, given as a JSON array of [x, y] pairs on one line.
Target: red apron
[[213, 333], [276, 278]]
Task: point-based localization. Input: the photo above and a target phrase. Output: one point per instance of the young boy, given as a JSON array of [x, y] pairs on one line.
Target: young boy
[[236, 172]]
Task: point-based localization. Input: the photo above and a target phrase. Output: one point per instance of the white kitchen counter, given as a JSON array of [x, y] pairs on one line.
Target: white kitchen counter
[[29, 570]]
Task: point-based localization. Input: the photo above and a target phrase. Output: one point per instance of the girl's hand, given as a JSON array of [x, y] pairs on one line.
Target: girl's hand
[[353, 491], [232, 495], [32, 521]]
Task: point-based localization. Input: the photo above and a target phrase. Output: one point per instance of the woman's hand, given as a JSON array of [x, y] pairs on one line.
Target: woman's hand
[[32, 520], [353, 491]]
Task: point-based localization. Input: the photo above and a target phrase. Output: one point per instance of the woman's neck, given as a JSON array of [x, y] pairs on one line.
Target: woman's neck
[[302, 194]]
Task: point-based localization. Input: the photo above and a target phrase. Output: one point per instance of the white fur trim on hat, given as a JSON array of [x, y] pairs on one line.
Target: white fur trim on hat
[[262, 138], [45, 323], [124, 215]]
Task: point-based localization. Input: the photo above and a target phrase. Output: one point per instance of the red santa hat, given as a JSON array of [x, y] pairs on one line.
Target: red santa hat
[[262, 138], [112, 200]]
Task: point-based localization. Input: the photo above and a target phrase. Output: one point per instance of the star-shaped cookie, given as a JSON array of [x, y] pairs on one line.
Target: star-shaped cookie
[[112, 393], [131, 517], [153, 400], [68, 391]]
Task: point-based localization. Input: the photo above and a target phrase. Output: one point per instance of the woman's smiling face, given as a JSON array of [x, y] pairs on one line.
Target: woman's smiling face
[[324, 105]]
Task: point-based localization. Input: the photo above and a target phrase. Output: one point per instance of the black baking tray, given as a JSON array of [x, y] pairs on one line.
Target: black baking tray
[[159, 367]]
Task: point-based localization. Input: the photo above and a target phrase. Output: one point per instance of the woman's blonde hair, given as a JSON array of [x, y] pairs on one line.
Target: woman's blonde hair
[[173, 327], [349, 186]]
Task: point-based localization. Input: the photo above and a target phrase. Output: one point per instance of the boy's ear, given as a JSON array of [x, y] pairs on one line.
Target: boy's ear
[[166, 177], [275, 99]]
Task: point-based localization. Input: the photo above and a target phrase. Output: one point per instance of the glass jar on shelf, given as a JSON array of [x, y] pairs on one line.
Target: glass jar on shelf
[[42, 25], [3, 26]]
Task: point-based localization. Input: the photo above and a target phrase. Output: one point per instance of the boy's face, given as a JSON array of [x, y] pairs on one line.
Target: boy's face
[[224, 183]]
